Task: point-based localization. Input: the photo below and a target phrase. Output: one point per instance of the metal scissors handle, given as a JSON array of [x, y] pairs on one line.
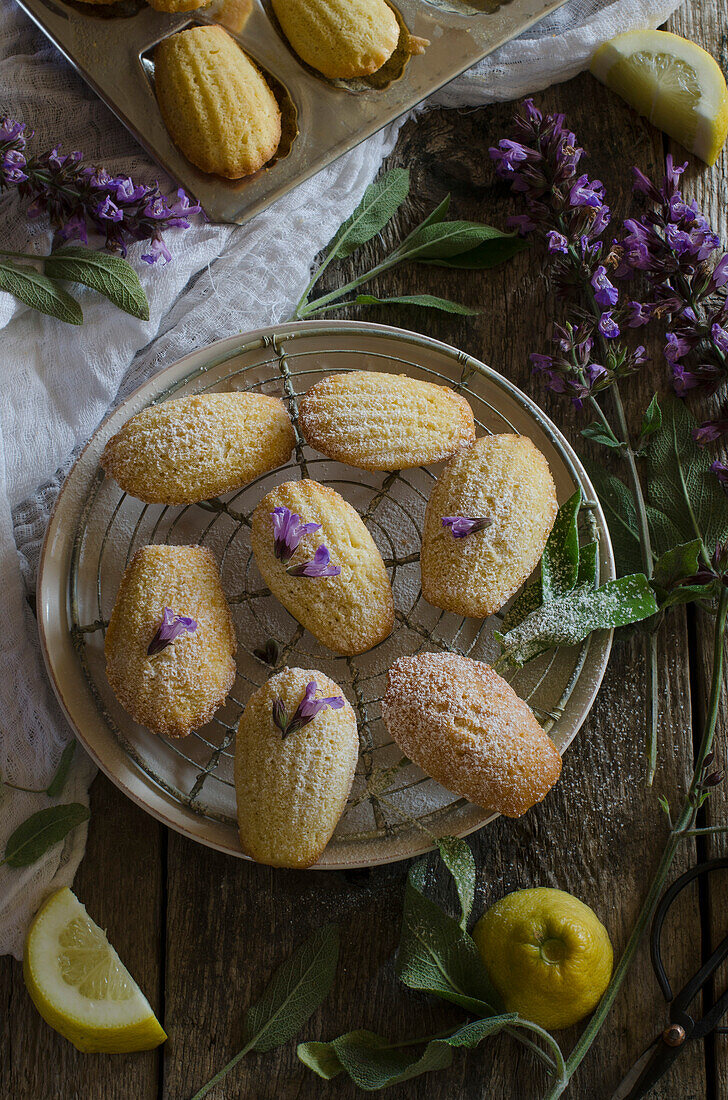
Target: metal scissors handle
[[660, 1055]]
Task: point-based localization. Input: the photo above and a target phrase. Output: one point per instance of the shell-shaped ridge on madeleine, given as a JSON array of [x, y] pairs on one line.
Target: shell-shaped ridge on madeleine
[[380, 421], [198, 447]]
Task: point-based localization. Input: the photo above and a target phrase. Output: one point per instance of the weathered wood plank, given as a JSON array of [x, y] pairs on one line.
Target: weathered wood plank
[[120, 883], [598, 834], [706, 25]]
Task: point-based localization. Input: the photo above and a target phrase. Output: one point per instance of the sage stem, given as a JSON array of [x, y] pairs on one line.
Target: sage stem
[[681, 828]]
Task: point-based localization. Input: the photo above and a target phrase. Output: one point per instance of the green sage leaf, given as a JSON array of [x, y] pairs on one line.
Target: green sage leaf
[[428, 300], [58, 782], [652, 420], [39, 292], [560, 560], [110, 275], [569, 619], [457, 856], [436, 956], [373, 1062], [677, 565], [35, 836], [381, 201], [527, 600], [437, 215], [681, 484], [621, 516], [295, 992], [599, 434], [444, 240], [490, 253]]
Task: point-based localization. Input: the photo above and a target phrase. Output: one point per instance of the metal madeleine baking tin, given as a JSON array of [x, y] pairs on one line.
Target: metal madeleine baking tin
[[394, 810], [112, 47]]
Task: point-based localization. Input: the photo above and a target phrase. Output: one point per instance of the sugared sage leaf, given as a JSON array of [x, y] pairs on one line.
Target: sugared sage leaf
[[33, 838], [457, 856], [560, 560]]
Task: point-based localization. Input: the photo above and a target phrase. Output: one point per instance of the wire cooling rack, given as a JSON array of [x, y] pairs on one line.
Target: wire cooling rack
[[394, 809]]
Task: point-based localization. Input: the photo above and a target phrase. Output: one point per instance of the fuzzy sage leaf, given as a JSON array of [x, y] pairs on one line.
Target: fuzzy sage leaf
[[437, 956], [427, 300], [373, 1062], [110, 275], [39, 292], [560, 560], [295, 992], [36, 835], [457, 856], [381, 201]]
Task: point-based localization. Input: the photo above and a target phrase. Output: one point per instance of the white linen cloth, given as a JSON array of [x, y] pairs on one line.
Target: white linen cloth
[[57, 381]]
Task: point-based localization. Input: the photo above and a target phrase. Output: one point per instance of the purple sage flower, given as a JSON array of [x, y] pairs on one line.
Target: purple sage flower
[[288, 532], [319, 567], [721, 472], [169, 629], [608, 326], [605, 293], [710, 431], [557, 242], [462, 526], [305, 712]]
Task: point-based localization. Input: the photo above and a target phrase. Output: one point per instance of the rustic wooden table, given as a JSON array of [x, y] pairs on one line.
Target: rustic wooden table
[[202, 932]]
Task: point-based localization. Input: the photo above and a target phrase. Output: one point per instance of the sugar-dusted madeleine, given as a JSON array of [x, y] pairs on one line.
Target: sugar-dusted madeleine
[[385, 421], [295, 755], [170, 644], [215, 102], [319, 560], [504, 484], [341, 39], [198, 447], [466, 727]]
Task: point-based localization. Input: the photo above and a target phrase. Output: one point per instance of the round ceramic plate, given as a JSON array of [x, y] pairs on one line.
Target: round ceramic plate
[[394, 810]]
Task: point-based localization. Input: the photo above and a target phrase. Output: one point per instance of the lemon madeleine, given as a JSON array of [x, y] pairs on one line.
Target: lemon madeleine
[[295, 755]]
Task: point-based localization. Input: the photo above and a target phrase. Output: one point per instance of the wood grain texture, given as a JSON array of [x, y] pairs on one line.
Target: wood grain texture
[[598, 834]]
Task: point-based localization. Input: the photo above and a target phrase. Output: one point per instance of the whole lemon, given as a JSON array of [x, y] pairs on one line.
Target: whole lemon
[[548, 955]]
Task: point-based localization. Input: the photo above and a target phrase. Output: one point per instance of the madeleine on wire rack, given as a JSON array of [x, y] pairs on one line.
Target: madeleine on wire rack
[[198, 447], [382, 421], [487, 521], [319, 560], [170, 645], [295, 754], [465, 726]]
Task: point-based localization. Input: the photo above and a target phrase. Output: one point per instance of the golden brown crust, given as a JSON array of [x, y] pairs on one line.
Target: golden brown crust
[[198, 447], [180, 689], [380, 421], [503, 477], [349, 613], [466, 727], [215, 102], [291, 792], [342, 39], [177, 5]]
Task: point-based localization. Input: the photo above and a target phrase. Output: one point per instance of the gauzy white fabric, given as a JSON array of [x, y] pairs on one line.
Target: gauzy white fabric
[[57, 381]]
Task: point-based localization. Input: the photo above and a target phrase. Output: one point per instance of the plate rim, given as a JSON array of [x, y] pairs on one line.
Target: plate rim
[[133, 782]]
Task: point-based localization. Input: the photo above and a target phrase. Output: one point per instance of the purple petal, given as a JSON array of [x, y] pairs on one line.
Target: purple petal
[[319, 567], [462, 526], [169, 630]]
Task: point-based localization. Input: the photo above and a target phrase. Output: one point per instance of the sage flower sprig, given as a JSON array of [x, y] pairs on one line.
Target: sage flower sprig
[[462, 526], [305, 712], [169, 630], [82, 200]]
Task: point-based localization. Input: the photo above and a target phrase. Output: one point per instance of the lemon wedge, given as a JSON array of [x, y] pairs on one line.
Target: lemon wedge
[[674, 83], [79, 984]]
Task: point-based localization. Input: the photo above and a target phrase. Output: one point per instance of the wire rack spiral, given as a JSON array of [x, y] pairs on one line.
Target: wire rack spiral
[[394, 808]]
